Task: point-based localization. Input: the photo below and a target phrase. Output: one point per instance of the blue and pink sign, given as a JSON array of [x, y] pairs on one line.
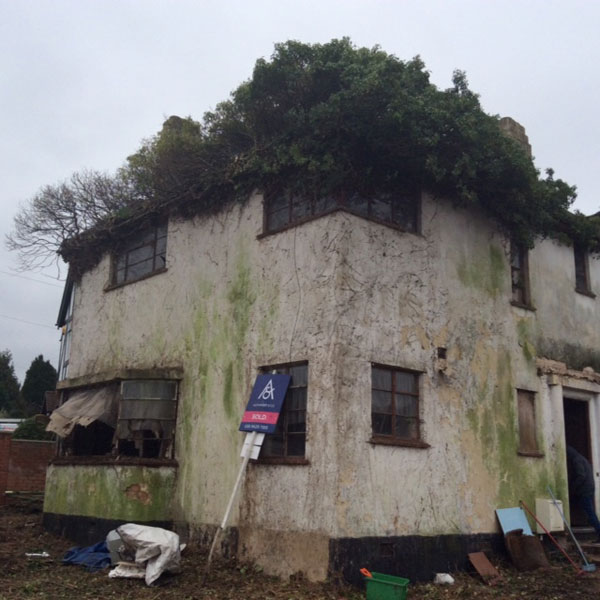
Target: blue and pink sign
[[265, 403]]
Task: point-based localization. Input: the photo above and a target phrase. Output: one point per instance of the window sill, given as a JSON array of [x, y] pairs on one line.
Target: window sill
[[388, 441], [587, 293], [281, 460], [114, 460], [524, 306], [530, 454], [113, 286]]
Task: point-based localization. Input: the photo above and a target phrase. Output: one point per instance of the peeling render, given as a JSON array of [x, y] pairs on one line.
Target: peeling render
[[341, 293]]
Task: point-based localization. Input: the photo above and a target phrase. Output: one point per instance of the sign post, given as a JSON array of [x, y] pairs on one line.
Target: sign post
[[260, 417]]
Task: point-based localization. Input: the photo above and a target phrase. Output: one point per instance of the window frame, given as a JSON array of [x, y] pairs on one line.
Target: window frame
[[72, 447], [158, 258], [394, 439], [582, 271], [524, 449], [285, 458], [314, 207], [520, 284]]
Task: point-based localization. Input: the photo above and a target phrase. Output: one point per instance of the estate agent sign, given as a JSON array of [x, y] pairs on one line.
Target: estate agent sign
[[265, 403]]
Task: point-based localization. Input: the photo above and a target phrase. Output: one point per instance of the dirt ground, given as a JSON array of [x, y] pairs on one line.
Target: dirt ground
[[25, 578]]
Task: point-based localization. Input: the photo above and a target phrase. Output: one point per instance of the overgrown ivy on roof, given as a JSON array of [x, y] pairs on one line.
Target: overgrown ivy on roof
[[323, 119]]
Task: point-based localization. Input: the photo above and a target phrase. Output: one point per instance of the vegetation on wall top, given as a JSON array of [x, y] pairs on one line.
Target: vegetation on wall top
[[314, 119]]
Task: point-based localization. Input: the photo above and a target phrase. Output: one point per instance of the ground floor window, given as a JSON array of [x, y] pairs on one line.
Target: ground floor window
[[133, 418], [289, 440], [395, 405]]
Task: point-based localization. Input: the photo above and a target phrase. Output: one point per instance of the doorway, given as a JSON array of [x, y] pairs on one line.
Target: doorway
[[577, 435]]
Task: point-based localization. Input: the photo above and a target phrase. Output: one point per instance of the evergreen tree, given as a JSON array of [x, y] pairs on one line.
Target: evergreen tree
[[10, 395], [41, 377]]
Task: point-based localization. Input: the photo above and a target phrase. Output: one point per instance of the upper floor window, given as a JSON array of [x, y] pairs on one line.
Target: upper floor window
[[143, 254], [582, 271], [519, 271], [395, 400], [288, 443], [285, 209]]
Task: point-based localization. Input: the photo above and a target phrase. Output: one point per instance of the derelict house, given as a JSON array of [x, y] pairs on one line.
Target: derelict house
[[438, 372]]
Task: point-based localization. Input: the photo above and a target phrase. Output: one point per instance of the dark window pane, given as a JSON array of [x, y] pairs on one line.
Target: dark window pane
[[139, 269], [404, 211], [382, 424], [299, 374], [407, 428], [296, 445], [140, 254], [381, 401], [325, 203], [381, 208], [382, 379], [273, 445], [277, 203], [359, 204], [301, 208], [147, 409], [296, 422], [406, 405], [278, 219], [296, 399], [120, 276], [406, 382], [161, 245]]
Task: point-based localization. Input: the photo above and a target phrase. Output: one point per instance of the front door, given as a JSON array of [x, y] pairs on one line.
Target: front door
[[577, 435]]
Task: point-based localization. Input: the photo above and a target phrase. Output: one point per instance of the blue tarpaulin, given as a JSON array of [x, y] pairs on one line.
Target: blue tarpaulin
[[93, 558]]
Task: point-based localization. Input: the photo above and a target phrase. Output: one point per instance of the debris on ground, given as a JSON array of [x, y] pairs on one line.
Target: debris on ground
[[23, 579]]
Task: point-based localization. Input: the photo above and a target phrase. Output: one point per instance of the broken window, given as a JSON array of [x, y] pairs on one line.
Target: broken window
[[527, 425], [395, 404], [284, 209], [147, 414], [582, 271], [136, 418], [289, 439], [519, 270], [143, 254]]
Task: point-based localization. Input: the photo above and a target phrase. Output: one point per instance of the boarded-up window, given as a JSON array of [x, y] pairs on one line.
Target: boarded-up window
[[582, 273], [288, 442], [527, 424]]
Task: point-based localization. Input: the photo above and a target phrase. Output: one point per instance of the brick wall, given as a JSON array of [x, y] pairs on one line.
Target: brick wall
[[23, 464]]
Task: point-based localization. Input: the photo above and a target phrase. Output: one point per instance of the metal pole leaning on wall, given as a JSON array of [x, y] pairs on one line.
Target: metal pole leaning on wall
[[236, 487]]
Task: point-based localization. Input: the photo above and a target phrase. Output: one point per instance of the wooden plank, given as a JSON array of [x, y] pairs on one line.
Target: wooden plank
[[484, 567]]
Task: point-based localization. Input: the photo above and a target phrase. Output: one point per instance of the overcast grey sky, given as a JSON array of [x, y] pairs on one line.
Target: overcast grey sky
[[82, 82]]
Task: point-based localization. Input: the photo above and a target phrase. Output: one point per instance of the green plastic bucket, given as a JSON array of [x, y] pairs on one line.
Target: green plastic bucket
[[386, 587]]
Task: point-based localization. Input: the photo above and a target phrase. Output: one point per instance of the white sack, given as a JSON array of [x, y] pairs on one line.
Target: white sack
[[157, 548]]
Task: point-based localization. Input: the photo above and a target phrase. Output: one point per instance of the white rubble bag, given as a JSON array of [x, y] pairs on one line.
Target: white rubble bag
[[155, 550]]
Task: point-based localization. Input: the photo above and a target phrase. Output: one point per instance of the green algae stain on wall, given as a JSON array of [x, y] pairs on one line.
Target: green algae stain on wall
[[131, 493], [525, 335], [215, 365], [485, 273], [495, 424]]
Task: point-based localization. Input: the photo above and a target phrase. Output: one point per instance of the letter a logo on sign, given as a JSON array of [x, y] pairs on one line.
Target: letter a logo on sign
[[268, 391]]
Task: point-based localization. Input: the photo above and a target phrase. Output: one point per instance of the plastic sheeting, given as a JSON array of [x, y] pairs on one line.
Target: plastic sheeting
[[85, 407], [156, 548]]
